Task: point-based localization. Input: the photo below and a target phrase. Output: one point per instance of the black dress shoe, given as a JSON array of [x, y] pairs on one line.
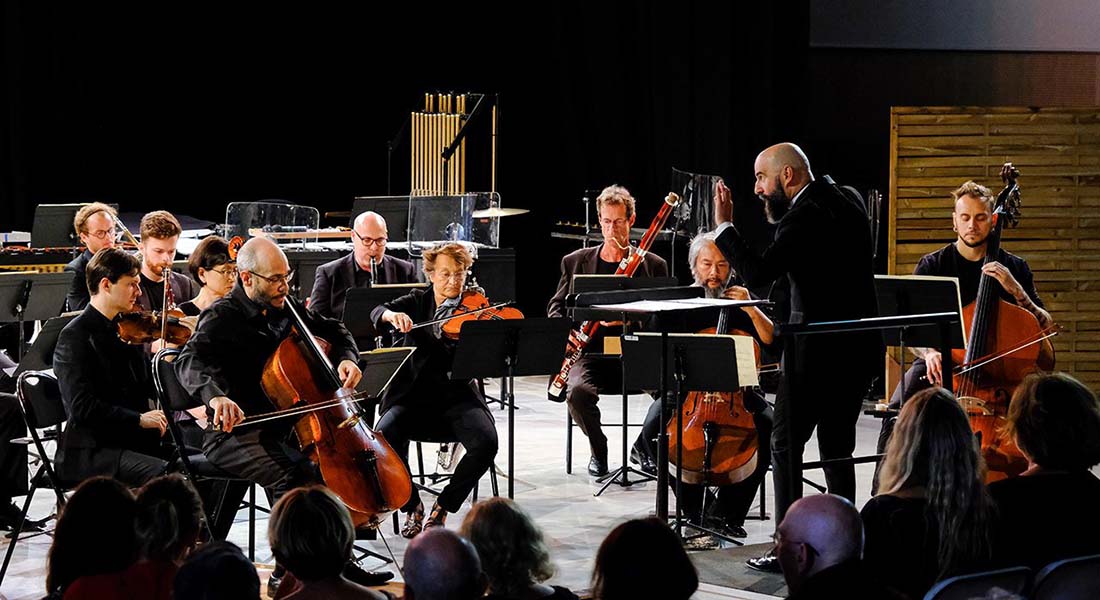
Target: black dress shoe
[[12, 514], [366, 578], [644, 462], [597, 467], [769, 563]]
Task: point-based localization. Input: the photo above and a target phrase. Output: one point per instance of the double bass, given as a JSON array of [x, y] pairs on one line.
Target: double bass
[[1005, 343], [720, 441], [356, 462]]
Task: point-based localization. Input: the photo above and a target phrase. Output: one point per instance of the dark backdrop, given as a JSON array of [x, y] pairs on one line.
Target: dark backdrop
[[188, 109]]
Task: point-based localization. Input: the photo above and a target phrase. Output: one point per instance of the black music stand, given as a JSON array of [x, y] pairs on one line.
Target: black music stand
[[360, 302], [694, 362], [32, 296], [39, 356], [505, 349], [900, 295], [586, 290]]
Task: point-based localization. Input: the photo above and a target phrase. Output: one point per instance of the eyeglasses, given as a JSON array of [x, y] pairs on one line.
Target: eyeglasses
[[456, 276], [370, 241], [276, 279], [103, 233], [231, 272]]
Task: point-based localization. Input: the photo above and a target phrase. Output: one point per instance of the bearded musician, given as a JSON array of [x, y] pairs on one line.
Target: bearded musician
[[423, 402], [712, 271]]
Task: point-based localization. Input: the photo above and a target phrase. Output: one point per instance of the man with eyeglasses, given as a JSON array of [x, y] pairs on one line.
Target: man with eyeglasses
[[367, 265], [95, 224], [222, 366], [593, 375]]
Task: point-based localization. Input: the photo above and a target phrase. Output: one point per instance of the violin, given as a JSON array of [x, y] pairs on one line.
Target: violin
[[1004, 345], [720, 441], [476, 307], [145, 327]]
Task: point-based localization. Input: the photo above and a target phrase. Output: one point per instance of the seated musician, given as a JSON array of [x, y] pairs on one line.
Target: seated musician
[[213, 270], [368, 264], [160, 233], [106, 385], [595, 375], [972, 220], [222, 365], [712, 271], [95, 224], [423, 399]]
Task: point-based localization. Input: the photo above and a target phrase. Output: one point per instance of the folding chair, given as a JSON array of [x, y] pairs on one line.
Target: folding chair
[[976, 585], [1069, 579]]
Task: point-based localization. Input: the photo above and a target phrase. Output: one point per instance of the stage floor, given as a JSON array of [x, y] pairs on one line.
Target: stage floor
[[573, 520]]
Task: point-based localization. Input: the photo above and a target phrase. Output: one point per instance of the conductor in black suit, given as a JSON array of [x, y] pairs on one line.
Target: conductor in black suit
[[358, 269], [593, 375], [822, 245]]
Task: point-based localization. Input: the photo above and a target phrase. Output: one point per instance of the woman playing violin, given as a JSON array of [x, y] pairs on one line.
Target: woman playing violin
[[423, 402]]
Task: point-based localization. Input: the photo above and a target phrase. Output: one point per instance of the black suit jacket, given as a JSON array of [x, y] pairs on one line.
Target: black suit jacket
[[425, 381], [105, 385], [78, 295], [335, 278], [183, 289], [584, 262], [823, 246]]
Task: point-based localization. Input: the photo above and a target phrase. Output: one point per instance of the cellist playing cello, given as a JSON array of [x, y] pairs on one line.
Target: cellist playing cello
[[712, 271], [222, 365], [972, 221]]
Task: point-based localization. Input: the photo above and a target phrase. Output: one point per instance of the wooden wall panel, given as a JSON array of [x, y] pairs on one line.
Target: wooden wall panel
[[934, 149]]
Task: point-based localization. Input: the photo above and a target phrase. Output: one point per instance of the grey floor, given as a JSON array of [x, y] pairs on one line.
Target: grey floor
[[573, 520]]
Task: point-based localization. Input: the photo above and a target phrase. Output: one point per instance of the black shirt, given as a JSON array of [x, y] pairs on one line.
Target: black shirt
[[901, 545], [189, 309], [604, 267], [947, 262], [154, 290], [560, 593], [1046, 517], [848, 580], [235, 337]]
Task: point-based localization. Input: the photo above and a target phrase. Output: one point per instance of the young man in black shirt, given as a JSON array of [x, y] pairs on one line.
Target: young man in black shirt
[[160, 233]]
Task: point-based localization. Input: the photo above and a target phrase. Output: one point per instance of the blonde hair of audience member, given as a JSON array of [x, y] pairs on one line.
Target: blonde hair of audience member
[[514, 556], [169, 519], [311, 534], [1056, 422], [94, 534], [933, 453], [642, 558]]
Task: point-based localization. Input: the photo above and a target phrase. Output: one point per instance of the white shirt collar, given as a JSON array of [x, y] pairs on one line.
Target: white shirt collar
[[799, 194]]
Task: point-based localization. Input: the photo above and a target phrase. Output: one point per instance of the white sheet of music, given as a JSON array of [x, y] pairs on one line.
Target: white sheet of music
[[652, 306]]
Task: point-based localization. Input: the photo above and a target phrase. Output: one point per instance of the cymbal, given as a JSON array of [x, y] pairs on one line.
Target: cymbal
[[490, 213]]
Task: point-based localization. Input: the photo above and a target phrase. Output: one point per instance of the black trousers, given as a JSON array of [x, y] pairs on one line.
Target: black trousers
[[13, 457], [827, 396], [269, 457], [467, 421], [590, 377], [734, 500]]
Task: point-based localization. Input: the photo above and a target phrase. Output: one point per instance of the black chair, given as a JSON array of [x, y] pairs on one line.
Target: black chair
[[190, 461], [1069, 579], [442, 437], [40, 398], [976, 585]]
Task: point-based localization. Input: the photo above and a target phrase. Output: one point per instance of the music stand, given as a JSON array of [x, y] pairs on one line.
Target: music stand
[[505, 349], [32, 296], [360, 302], [699, 362], [588, 290], [39, 357], [900, 295]]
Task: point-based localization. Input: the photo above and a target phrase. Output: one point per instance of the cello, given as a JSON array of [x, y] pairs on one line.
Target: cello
[[720, 442], [1005, 343], [356, 462]]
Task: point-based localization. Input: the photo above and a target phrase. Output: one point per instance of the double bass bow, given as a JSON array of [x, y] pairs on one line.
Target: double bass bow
[[1005, 343], [579, 337]]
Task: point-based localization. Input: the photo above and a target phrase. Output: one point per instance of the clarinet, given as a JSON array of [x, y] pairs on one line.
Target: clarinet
[[580, 337]]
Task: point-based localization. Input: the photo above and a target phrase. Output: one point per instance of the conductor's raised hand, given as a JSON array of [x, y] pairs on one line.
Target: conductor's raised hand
[[226, 413], [400, 321], [349, 373], [723, 203]]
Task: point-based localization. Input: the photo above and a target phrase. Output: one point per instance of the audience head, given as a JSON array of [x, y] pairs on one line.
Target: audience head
[[311, 533], [511, 547], [217, 571], [643, 558], [265, 272], [94, 535], [1056, 422], [211, 266], [169, 520], [441, 565], [818, 532], [96, 225], [934, 448]]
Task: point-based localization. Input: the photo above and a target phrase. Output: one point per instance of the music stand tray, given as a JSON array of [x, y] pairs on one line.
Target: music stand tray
[[39, 356], [507, 348], [32, 296]]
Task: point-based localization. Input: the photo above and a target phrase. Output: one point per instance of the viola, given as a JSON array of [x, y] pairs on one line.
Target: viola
[[720, 442], [1005, 344], [476, 307]]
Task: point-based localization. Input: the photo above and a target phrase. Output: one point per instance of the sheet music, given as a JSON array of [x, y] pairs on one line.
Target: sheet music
[[654, 306], [746, 360]]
